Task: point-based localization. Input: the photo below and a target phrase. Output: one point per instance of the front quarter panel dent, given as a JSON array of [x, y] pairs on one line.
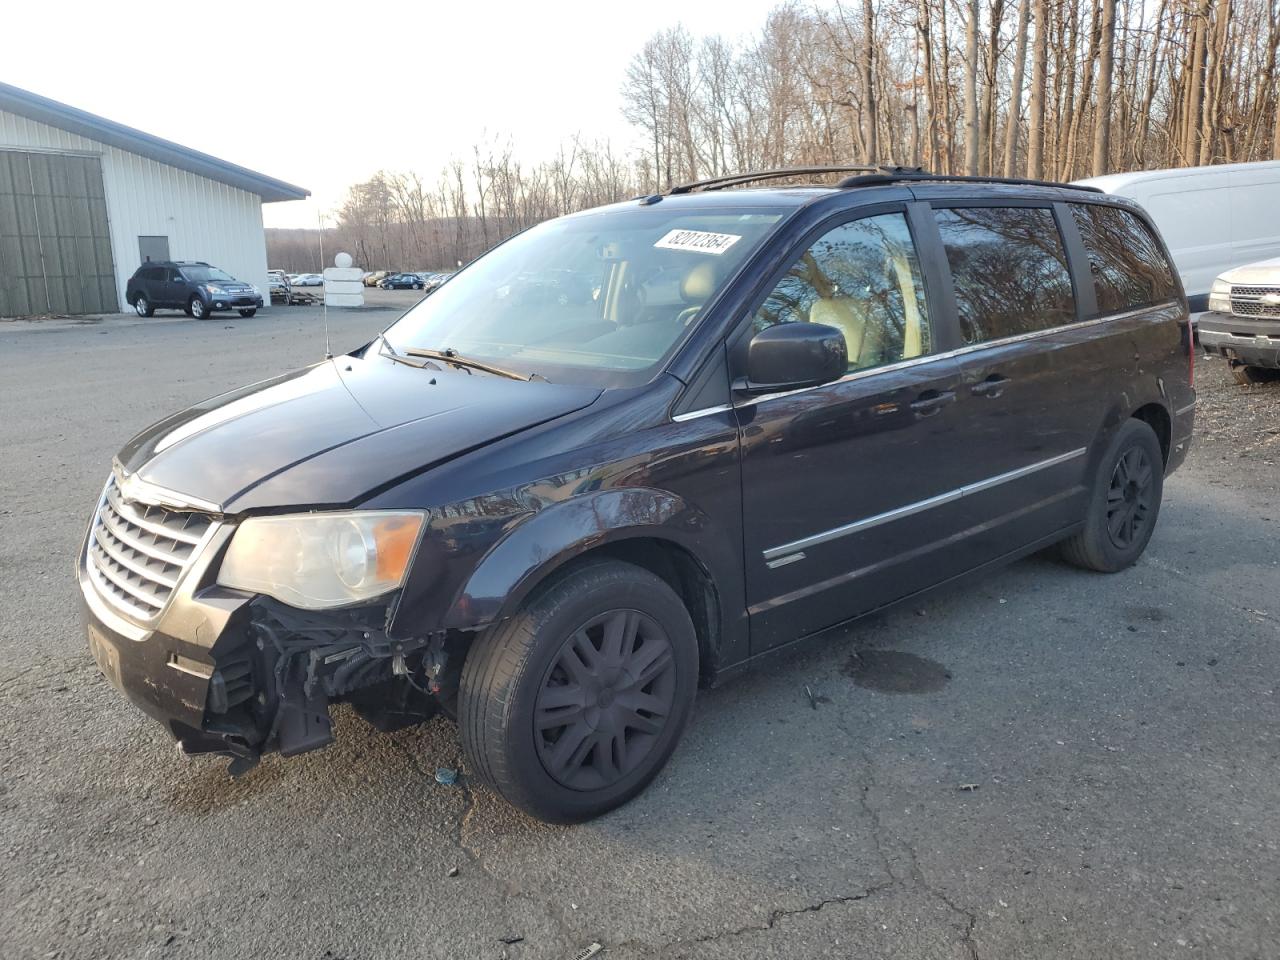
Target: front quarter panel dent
[[552, 537]]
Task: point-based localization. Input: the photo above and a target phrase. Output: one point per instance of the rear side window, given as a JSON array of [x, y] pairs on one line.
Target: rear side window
[[1009, 268], [1129, 268]]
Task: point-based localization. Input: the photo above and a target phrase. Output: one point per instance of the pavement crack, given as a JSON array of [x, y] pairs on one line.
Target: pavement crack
[[783, 912], [917, 876], [473, 856]]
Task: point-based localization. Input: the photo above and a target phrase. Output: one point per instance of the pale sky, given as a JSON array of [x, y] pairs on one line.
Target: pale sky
[[324, 94]]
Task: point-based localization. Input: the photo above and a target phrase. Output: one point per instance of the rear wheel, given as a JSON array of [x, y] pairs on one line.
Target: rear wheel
[[142, 306], [248, 313], [1125, 503], [197, 308], [572, 706]]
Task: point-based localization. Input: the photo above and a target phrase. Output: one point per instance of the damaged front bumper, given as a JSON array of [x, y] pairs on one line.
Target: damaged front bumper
[[241, 676]]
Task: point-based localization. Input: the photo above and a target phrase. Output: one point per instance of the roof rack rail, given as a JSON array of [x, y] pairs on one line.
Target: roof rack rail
[[901, 175], [735, 179]]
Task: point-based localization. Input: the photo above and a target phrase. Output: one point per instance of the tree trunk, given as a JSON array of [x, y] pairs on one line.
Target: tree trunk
[[1015, 93], [1193, 103], [868, 81], [1102, 118], [1039, 69], [971, 90]]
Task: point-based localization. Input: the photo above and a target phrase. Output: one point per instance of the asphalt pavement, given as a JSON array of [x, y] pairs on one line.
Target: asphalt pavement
[[1046, 763]]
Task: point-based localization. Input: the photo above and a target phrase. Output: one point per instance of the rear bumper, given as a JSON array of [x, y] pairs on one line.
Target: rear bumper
[[1248, 340]]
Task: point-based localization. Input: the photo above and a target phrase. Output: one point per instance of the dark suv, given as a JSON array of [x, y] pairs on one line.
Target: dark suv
[[769, 412], [193, 286]]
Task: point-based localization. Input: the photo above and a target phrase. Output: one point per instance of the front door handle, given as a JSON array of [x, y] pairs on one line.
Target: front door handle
[[932, 401], [993, 386]]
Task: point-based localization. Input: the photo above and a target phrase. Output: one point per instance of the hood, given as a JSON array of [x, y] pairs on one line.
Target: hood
[[329, 434], [1263, 273]]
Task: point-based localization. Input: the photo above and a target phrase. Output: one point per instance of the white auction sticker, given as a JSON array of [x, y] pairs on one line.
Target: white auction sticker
[[698, 240]]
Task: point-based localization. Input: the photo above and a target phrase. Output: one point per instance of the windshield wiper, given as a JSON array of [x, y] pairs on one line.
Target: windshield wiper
[[450, 355]]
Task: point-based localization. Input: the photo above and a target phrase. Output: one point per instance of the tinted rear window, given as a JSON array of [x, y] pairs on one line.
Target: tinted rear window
[[1129, 267], [1010, 271]]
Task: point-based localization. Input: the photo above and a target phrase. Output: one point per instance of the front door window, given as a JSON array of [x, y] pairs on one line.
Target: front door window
[[863, 279]]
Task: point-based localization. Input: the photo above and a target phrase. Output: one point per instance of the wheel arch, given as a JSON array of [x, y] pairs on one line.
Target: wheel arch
[[1156, 416], [652, 529]]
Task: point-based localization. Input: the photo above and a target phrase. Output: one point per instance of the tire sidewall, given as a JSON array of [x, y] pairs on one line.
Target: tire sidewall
[[1130, 434], [589, 597]]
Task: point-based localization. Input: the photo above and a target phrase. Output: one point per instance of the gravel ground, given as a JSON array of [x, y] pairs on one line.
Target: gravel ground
[[1237, 422], [1045, 763]]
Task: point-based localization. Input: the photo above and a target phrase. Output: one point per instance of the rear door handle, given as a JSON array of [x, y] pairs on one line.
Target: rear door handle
[[932, 401], [993, 386]]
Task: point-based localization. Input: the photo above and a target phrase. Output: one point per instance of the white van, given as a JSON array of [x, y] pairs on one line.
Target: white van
[[1212, 218]]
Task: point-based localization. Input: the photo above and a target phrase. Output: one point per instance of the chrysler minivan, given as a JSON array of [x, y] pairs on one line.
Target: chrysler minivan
[[745, 417]]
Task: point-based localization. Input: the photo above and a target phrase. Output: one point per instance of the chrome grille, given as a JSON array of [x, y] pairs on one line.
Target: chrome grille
[[138, 552], [1247, 302]]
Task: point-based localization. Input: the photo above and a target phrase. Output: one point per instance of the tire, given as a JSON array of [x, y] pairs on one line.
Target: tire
[[197, 309], [142, 306], [248, 313], [564, 655], [1247, 375], [1124, 504]]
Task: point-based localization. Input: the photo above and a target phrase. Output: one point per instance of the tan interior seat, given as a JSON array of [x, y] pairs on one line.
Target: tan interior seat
[[698, 284], [849, 317]]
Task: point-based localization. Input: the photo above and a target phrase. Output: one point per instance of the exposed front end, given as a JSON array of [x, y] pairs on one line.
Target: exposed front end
[[227, 671]]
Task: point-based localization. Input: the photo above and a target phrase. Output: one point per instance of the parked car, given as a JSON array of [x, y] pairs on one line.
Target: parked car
[[402, 281], [555, 520], [278, 286], [308, 280], [1243, 325], [1212, 218], [374, 278], [192, 286]]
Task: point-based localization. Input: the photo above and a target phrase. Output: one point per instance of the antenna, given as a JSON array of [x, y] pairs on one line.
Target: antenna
[[324, 309]]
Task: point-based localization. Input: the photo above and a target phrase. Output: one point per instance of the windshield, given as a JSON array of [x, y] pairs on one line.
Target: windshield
[[598, 298], [205, 274]]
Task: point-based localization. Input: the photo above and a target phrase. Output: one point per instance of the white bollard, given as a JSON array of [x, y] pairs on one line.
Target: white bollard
[[343, 283]]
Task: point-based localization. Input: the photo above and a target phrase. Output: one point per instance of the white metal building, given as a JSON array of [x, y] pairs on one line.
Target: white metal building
[[84, 201]]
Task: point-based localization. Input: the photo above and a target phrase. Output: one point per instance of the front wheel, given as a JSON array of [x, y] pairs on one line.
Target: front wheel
[[197, 309], [570, 708], [248, 313], [1125, 502]]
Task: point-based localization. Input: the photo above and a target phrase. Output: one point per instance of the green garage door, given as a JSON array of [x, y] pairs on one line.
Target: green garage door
[[55, 246]]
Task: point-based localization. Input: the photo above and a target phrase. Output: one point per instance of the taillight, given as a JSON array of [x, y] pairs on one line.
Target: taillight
[[1191, 352]]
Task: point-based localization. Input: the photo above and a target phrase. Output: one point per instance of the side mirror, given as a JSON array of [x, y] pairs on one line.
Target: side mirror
[[788, 356]]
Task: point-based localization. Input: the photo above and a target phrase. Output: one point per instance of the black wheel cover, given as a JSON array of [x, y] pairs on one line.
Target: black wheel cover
[[605, 700], [1130, 497]]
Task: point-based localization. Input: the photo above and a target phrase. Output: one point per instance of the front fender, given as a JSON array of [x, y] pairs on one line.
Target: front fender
[[557, 534]]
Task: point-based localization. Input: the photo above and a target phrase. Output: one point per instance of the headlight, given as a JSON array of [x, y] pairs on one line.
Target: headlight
[[214, 290], [257, 292], [321, 560], [1220, 296]]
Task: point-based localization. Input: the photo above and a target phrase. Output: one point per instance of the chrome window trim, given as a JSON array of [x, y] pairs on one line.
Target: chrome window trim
[[703, 412], [919, 506], [963, 351]]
